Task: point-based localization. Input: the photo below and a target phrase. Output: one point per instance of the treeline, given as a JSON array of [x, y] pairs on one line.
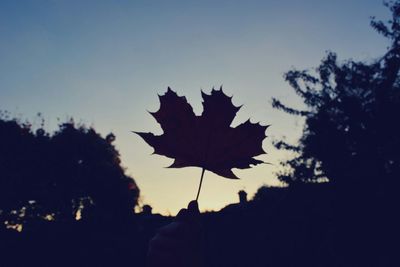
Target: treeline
[[60, 176], [64, 197]]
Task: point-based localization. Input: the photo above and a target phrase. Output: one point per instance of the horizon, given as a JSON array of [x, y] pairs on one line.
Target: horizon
[[104, 64]]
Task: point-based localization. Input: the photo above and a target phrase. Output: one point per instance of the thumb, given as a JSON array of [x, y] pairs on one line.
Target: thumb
[[193, 207], [193, 211], [190, 214]]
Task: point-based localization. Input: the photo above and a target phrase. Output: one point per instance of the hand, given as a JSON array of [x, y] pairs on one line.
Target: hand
[[180, 242]]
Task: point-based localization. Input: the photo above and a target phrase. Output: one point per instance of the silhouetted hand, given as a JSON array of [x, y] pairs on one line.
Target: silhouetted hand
[[180, 242]]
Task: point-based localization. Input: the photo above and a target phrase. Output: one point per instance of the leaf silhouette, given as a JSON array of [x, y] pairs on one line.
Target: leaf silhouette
[[207, 141]]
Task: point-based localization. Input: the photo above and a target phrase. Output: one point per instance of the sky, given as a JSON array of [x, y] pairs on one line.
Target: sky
[[104, 62]]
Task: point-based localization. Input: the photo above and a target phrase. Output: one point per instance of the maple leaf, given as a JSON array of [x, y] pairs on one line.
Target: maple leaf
[[207, 141]]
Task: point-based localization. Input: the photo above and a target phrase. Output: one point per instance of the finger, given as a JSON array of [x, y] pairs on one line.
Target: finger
[[193, 207], [182, 215], [193, 212]]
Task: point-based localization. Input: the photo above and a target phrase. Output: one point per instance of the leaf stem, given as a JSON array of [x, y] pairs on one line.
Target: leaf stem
[[201, 182]]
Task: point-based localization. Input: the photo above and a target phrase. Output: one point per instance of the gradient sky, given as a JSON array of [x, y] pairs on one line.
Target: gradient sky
[[103, 62]]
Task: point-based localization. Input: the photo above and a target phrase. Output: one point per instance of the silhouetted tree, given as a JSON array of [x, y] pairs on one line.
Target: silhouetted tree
[[88, 166], [351, 138], [351, 134], [55, 176]]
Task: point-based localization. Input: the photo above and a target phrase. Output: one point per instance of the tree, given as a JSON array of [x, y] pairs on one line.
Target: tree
[[351, 138], [55, 176], [351, 134]]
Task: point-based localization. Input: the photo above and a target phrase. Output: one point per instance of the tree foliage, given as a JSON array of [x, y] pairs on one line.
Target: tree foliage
[[351, 132], [55, 176]]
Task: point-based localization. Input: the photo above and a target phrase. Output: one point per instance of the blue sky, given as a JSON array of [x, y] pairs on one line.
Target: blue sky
[[103, 62]]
